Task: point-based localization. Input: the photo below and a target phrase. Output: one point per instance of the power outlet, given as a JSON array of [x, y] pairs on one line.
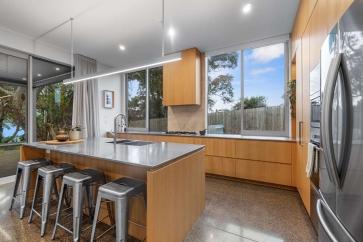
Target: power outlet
[[47, 151]]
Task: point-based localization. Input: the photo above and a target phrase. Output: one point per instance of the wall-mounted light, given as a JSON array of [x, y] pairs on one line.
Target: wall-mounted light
[[121, 47]]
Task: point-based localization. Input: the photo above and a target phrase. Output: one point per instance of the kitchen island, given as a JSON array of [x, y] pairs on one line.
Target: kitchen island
[[174, 175]]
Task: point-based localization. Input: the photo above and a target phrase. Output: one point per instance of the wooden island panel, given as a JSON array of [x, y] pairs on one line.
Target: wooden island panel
[[175, 200], [184, 186]]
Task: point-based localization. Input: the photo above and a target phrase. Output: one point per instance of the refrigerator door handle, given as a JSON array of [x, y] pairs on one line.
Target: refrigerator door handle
[[326, 122], [338, 65], [330, 233]]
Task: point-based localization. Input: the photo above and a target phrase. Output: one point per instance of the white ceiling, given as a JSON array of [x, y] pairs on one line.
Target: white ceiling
[[100, 26]]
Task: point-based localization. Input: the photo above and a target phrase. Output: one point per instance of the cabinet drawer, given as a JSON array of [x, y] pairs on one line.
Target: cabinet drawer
[[220, 166], [264, 171], [271, 151], [218, 147]]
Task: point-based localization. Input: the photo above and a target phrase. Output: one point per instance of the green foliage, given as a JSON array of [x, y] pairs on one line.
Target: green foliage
[[137, 104], [252, 102], [54, 105], [12, 112], [291, 93], [221, 86]]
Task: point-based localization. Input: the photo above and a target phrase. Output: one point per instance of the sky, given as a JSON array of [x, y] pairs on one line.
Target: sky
[[263, 75], [8, 132]]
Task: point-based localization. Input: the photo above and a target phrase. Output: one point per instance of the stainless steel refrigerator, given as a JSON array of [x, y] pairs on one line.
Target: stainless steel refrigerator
[[340, 206]]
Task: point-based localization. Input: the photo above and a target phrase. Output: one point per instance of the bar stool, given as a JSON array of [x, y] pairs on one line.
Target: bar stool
[[48, 175], [24, 171], [120, 191], [79, 180]]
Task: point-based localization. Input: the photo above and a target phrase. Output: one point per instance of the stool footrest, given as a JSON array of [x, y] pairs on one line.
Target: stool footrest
[[69, 231], [142, 226], [112, 227]]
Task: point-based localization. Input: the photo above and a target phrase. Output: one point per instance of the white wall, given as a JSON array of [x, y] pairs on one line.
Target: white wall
[[26, 44], [111, 83]]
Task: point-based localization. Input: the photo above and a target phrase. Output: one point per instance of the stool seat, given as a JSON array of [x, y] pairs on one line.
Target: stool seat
[[120, 191], [123, 187], [48, 175], [56, 170], [35, 163], [23, 172]]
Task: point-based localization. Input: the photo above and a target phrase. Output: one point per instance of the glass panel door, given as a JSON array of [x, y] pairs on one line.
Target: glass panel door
[[13, 107]]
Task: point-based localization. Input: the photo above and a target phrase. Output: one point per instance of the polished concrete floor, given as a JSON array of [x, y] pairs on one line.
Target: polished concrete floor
[[235, 212]]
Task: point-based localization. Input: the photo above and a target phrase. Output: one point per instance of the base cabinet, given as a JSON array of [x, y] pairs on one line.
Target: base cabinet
[[255, 160], [275, 173], [220, 166]]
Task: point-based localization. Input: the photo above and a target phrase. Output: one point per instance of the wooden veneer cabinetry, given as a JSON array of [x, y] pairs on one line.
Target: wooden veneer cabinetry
[[181, 80], [256, 160]]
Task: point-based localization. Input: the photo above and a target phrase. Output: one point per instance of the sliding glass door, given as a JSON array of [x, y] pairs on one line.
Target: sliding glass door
[[13, 111]]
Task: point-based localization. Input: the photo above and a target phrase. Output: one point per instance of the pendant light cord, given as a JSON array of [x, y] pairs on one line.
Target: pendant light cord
[[72, 71], [162, 22]]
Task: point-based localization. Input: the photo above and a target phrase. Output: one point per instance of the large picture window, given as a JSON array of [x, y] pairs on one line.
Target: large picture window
[[145, 110], [53, 99], [251, 103]]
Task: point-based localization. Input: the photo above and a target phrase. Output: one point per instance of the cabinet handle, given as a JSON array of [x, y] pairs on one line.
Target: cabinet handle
[[300, 133]]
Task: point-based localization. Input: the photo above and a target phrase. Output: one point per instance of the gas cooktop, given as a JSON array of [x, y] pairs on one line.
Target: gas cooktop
[[180, 133]]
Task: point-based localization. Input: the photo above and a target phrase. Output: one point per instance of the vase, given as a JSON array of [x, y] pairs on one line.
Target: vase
[[62, 136], [74, 135]]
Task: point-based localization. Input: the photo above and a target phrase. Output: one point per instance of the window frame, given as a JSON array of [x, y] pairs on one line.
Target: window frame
[[284, 133], [147, 119], [241, 49]]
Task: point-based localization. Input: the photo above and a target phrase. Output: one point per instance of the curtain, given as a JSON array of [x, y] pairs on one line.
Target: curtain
[[85, 98]]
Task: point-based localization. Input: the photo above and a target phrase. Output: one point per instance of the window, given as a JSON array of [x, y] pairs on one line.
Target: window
[[253, 103], [145, 110], [54, 100], [13, 109]]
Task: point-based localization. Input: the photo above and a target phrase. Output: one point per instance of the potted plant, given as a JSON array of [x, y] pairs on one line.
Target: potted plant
[[75, 132]]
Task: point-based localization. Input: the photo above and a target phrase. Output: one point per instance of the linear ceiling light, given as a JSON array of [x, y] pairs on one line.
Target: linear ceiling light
[[127, 68]]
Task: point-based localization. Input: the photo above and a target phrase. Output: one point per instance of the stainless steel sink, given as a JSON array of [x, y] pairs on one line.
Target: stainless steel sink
[[122, 141], [131, 142], [138, 143]]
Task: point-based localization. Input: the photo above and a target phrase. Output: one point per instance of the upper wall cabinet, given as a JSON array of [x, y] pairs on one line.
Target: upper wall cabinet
[[181, 80]]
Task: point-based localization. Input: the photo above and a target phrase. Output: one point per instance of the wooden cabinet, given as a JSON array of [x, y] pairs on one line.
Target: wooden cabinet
[[220, 166], [336, 8], [218, 147], [258, 160], [272, 151], [264, 171], [182, 80]]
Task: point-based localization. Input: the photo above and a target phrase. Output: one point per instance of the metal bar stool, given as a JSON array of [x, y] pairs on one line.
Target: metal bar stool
[[24, 171], [48, 175], [120, 191], [79, 180]]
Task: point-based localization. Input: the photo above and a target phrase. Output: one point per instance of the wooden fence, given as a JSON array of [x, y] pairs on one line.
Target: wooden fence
[[267, 118], [157, 125]]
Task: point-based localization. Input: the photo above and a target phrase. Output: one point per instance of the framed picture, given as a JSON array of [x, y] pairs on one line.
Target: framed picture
[[108, 99]]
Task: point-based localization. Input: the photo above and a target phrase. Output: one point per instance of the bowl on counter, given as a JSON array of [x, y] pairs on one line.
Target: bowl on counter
[[202, 132]]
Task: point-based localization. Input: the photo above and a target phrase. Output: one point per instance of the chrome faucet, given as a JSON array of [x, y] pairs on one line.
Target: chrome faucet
[[114, 126]]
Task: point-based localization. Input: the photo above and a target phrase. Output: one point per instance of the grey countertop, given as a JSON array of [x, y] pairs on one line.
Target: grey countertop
[[151, 156], [222, 136]]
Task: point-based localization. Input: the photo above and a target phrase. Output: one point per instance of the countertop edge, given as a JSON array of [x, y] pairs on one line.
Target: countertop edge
[[50, 147], [258, 138]]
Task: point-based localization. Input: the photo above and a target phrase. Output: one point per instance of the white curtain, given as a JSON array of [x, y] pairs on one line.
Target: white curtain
[[85, 98]]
